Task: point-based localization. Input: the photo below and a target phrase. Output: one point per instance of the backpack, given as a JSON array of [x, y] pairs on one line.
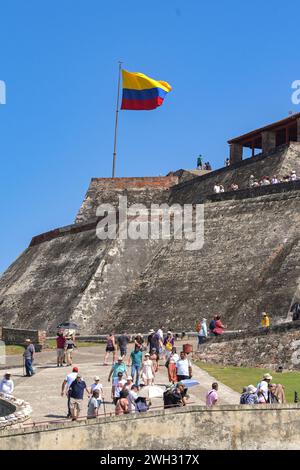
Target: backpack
[[141, 406], [212, 325]]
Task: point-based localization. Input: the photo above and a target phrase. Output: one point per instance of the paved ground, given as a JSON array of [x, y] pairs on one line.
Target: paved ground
[[42, 390]]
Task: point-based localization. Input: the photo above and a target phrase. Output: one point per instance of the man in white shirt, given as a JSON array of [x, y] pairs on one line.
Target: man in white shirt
[[217, 188], [117, 386], [183, 367], [6, 384], [132, 396], [66, 385]]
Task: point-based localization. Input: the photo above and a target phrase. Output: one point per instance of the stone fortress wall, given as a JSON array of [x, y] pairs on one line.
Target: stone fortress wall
[[249, 261]]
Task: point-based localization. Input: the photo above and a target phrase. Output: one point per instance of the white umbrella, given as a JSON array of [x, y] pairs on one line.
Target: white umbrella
[[151, 391]]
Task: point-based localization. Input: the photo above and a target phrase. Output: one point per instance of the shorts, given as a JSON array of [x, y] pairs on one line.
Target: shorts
[[108, 349], [123, 351], [60, 353], [76, 403]]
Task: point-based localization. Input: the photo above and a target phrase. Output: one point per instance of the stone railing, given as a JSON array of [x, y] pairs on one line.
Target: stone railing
[[13, 410]]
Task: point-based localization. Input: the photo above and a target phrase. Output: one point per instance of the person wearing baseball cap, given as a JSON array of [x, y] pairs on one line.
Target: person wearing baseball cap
[[76, 391], [265, 322], [66, 386]]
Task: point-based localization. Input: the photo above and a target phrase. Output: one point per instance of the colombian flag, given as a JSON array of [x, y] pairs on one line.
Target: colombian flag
[[141, 92]]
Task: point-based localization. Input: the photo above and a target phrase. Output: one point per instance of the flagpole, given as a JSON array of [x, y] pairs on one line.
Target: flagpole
[[116, 124]]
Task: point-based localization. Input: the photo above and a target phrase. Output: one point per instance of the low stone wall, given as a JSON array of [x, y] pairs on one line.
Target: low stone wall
[[255, 348], [13, 411], [196, 427], [18, 336]]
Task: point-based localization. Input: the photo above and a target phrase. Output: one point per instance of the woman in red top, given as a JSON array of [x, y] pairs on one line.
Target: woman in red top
[[219, 327]]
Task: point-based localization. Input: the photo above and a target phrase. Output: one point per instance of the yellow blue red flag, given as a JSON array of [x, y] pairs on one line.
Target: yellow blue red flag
[[141, 92]]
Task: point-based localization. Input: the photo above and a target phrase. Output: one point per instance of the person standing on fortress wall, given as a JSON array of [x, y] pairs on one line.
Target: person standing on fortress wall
[[227, 162], [199, 162], [60, 348], [251, 181], [202, 335], [110, 348], [265, 322], [274, 180], [208, 166], [265, 181], [293, 176], [217, 188], [212, 396], [29, 358], [123, 341]]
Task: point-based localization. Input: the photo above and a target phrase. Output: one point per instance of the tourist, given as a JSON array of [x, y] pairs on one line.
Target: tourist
[[60, 348], [122, 403], [227, 162], [132, 397], [295, 310], [6, 384], [69, 348], [265, 322], [175, 396], [169, 344], [208, 166], [251, 181], [93, 405], [29, 357], [129, 383], [252, 397], [156, 343], [262, 389], [244, 395], [161, 349], [123, 341], [117, 385], [148, 370], [183, 367], [279, 393], [110, 348], [149, 339], [97, 386], [274, 180], [212, 324], [117, 367], [199, 162], [65, 388], [212, 395], [265, 181], [141, 405], [77, 388], [222, 190], [139, 342], [272, 399], [172, 366], [202, 335], [136, 357], [255, 184], [293, 176], [234, 187], [154, 358], [219, 327], [217, 188]]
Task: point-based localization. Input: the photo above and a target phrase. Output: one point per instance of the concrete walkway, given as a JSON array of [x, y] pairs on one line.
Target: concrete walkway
[[42, 390]]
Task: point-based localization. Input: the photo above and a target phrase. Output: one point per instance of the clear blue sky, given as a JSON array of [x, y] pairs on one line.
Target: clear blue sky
[[231, 65]]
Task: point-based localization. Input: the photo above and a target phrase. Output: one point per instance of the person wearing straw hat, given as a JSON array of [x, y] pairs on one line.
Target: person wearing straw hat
[[147, 370], [262, 388]]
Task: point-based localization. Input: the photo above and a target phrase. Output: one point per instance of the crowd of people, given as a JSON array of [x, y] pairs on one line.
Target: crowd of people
[[265, 392], [257, 182]]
